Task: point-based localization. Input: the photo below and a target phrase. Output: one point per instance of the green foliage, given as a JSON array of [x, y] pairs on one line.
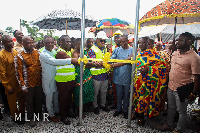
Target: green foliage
[[35, 31], [10, 30], [56, 37]]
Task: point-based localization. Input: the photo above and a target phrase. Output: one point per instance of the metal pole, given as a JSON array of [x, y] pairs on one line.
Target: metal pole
[[134, 65], [81, 63], [66, 26]]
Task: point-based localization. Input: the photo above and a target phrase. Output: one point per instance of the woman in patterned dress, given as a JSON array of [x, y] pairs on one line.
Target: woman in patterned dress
[[88, 90]]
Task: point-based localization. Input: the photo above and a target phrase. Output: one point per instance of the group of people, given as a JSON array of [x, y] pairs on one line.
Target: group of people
[[48, 73]]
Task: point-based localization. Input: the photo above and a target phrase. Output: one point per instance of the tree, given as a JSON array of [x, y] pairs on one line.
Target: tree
[[35, 31], [10, 30]]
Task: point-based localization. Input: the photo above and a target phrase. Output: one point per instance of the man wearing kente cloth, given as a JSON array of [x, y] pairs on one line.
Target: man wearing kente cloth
[[150, 83]]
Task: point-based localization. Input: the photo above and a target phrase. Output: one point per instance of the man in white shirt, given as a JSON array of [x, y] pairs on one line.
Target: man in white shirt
[[49, 63]]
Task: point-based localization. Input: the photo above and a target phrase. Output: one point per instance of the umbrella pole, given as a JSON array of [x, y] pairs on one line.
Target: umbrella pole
[[112, 36], [134, 65], [174, 46], [66, 26]]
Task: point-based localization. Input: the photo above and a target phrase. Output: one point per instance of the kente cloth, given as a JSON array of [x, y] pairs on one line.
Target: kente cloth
[[88, 89], [149, 88]]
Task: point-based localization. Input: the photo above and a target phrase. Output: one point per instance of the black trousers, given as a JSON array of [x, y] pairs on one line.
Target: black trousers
[[34, 101], [4, 98], [65, 90]]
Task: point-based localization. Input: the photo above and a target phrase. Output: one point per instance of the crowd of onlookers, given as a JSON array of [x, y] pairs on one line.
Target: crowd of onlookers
[[44, 77]]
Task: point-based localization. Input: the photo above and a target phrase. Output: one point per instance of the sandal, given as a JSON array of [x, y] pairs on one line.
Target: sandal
[[141, 122], [134, 117]]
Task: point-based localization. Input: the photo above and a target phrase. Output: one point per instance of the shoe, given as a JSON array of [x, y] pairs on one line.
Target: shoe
[[96, 110], [141, 122], [54, 119], [18, 122], [1, 117], [196, 111], [165, 127], [105, 109], [176, 131], [126, 115], [134, 116], [113, 107], [32, 123], [65, 121], [117, 113]]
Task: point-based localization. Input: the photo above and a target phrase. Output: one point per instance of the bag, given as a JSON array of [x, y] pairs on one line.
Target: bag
[[184, 91]]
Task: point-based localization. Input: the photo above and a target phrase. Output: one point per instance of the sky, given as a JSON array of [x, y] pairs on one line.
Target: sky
[[14, 10]]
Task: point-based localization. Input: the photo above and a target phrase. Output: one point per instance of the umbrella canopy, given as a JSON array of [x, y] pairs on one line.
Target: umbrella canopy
[[111, 25], [166, 31], [186, 11], [57, 20]]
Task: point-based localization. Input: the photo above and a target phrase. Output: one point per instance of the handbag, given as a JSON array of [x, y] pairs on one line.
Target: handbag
[[184, 91]]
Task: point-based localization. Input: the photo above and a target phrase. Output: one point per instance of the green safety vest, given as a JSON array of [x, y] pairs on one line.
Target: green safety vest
[[67, 72], [99, 55], [41, 49]]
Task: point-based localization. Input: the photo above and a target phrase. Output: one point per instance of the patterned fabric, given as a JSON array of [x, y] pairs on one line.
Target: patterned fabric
[[100, 77], [28, 69], [166, 58], [88, 90], [173, 8], [149, 88]]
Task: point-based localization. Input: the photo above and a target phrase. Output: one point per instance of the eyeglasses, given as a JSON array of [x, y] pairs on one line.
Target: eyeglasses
[[103, 41]]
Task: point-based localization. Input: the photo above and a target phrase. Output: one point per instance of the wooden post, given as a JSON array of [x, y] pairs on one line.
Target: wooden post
[[20, 21]]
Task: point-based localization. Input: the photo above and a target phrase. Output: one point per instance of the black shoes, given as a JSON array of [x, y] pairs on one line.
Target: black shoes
[[18, 122], [96, 110], [117, 113], [65, 121], [1, 117], [113, 107], [105, 109], [126, 115]]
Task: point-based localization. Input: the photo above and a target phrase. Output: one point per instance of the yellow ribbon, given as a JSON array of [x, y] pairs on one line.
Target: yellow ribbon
[[105, 60]]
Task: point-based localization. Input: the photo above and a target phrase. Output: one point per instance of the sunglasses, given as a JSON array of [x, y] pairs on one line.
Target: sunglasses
[[103, 41]]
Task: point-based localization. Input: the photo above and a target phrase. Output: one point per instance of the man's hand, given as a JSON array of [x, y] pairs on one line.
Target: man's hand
[[26, 90], [191, 98], [74, 60], [98, 64], [11, 91]]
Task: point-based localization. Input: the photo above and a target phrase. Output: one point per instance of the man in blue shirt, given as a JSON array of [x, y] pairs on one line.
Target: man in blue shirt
[[122, 76]]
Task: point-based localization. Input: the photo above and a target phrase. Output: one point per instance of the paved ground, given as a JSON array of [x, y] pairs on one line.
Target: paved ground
[[104, 122]]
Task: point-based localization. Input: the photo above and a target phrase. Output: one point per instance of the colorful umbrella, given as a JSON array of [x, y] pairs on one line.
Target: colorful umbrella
[[186, 11], [111, 25], [173, 12]]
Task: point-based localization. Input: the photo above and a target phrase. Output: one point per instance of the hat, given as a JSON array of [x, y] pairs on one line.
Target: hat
[[102, 35]]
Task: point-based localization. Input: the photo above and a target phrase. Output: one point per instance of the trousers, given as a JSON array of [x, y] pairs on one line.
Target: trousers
[[173, 105], [102, 86]]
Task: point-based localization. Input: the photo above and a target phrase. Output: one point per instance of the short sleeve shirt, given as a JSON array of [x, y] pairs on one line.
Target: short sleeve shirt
[[122, 75], [183, 67]]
